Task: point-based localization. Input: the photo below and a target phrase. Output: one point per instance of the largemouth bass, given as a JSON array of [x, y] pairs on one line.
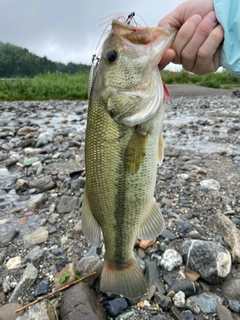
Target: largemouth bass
[[123, 146]]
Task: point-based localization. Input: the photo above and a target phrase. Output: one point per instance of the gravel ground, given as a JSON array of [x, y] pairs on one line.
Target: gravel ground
[[41, 184]]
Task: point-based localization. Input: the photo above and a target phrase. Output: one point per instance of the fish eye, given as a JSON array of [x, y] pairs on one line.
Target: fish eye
[[111, 55]]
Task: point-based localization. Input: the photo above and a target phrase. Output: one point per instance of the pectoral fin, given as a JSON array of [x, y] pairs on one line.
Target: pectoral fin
[[160, 150], [90, 226], [153, 225], [135, 152]]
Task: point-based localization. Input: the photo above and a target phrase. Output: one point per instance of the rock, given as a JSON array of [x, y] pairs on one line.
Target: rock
[[186, 315], [164, 302], [223, 313], [44, 138], [9, 237], [231, 288], [115, 307], [210, 259], [45, 183], [69, 270], [35, 255], [171, 259], [7, 311], [36, 201], [152, 271], [234, 305], [38, 236], [191, 305], [189, 288], [30, 161], [88, 265], [40, 311], [207, 301], [67, 204], [229, 232], [27, 279], [14, 263], [144, 244], [79, 302], [42, 288], [179, 299], [21, 184], [211, 184], [167, 234]]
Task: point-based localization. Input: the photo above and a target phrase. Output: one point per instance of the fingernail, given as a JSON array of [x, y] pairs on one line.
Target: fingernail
[[211, 16]]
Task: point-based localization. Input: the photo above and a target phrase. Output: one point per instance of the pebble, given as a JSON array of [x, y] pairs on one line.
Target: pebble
[[37, 237], [179, 299], [210, 259], [115, 307], [207, 301], [171, 259], [14, 263], [49, 158], [27, 279]]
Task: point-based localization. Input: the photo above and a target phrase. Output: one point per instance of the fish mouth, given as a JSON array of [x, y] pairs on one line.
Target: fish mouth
[[139, 35]]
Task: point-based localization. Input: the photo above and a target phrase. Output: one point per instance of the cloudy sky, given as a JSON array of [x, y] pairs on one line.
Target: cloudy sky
[[68, 30]]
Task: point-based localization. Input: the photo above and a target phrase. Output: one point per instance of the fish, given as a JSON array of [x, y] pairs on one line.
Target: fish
[[123, 147]]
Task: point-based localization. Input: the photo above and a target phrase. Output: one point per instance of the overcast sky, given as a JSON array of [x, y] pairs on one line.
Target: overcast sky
[[68, 30]]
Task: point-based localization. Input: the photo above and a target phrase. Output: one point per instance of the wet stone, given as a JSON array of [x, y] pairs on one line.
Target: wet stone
[[115, 307], [45, 183], [36, 201]]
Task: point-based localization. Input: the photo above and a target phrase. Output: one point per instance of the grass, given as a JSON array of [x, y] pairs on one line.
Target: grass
[[60, 86], [45, 87]]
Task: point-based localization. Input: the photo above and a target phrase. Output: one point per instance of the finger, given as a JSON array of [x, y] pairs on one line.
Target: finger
[[184, 35], [208, 57], [168, 57], [190, 51]]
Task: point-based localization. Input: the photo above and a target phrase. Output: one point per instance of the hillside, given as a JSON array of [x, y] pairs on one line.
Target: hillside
[[19, 62]]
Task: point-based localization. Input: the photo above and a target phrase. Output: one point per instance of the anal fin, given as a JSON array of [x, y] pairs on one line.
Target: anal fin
[[90, 226], [153, 225]]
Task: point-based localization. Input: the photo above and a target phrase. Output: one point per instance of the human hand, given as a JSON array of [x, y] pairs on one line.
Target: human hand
[[197, 45]]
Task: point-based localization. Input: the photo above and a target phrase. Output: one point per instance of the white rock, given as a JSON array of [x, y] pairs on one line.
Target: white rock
[[179, 299], [210, 184], [13, 263], [171, 259]]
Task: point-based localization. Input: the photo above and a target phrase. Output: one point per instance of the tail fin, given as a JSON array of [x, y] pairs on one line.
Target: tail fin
[[128, 280]]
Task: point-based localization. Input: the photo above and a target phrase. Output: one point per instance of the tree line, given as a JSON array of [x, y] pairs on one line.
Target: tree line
[[19, 62]]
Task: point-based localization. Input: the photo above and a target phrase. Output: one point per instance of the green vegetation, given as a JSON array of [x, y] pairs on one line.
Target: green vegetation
[[222, 80], [19, 62], [70, 87], [48, 86]]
